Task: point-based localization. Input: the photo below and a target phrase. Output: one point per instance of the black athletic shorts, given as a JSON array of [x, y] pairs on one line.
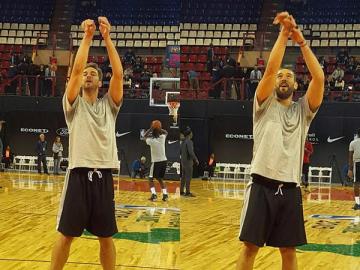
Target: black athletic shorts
[[357, 171], [157, 170], [272, 216], [87, 202]]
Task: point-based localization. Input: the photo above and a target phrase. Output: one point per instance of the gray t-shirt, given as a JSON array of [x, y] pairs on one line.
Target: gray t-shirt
[[157, 148], [279, 138], [355, 147], [92, 141]]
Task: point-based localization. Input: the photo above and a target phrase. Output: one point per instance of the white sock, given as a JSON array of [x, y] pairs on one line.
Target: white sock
[[153, 190], [357, 200], [164, 191]]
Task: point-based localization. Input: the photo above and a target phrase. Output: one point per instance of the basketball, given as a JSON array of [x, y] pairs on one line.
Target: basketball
[[156, 124]]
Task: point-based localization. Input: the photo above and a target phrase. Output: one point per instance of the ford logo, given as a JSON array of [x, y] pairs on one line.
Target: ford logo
[[62, 132]]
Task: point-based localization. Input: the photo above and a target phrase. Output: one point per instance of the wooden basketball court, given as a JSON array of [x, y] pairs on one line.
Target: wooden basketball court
[[210, 227], [148, 235]]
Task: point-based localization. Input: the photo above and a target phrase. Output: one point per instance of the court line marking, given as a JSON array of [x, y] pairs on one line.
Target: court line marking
[[144, 207], [84, 263]]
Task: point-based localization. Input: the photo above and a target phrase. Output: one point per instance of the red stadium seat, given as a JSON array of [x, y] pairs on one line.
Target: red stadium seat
[[205, 85], [193, 58], [195, 49], [150, 60], [183, 58], [189, 66], [205, 76], [184, 76], [159, 60], [199, 67], [185, 49], [202, 58], [184, 84]]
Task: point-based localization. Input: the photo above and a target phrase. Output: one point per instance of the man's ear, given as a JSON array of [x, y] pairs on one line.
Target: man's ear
[[296, 86], [100, 84]]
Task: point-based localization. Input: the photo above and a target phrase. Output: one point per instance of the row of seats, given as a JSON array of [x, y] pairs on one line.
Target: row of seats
[[216, 34], [330, 43], [146, 36], [217, 42], [136, 28], [131, 43], [219, 26], [23, 41], [24, 26], [23, 33]]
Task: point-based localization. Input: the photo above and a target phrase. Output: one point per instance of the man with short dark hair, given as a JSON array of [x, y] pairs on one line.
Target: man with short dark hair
[[272, 213], [87, 200], [354, 167]]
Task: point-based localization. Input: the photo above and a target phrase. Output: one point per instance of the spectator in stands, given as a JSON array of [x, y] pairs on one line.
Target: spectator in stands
[[308, 151], [53, 69], [41, 147], [139, 65], [342, 57], [337, 74], [129, 57], [48, 81], [339, 85], [127, 82], [216, 76], [193, 79], [8, 157], [354, 167], [188, 158], [139, 168], [356, 75], [210, 58], [229, 60], [239, 75], [228, 72], [280, 127], [255, 77], [57, 150], [106, 80], [41, 79]]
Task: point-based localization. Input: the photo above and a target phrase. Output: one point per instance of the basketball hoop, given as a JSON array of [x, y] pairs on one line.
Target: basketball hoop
[[173, 109]]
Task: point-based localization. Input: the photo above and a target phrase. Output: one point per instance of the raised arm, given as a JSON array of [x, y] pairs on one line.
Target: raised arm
[[116, 81], [267, 83], [74, 84], [315, 92]]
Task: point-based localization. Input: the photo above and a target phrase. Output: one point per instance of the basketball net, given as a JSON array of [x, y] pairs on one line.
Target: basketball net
[[173, 109]]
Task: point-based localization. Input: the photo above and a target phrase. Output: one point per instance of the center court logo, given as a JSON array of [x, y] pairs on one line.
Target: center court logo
[[239, 136], [64, 132], [34, 130]]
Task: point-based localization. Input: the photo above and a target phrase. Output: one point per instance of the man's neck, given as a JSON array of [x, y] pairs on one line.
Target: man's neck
[[90, 97], [286, 102]]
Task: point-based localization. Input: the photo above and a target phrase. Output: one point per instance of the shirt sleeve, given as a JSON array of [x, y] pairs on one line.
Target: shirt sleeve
[[114, 108], [69, 109], [259, 109], [309, 115], [148, 141], [351, 147]]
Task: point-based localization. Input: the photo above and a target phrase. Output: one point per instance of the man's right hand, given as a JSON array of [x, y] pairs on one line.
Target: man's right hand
[[350, 174], [89, 28]]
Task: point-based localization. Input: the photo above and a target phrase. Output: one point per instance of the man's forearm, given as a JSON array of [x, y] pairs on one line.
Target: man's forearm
[[82, 55], [277, 53], [117, 69], [312, 63]]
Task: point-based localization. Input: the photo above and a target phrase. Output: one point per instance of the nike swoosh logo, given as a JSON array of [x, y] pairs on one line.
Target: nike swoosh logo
[[171, 142], [122, 134], [329, 140]]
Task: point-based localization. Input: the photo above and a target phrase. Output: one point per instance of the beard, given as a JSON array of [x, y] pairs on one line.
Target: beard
[[284, 94]]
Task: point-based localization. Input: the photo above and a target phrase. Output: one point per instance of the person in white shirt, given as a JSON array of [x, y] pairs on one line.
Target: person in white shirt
[[354, 168], [155, 137]]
